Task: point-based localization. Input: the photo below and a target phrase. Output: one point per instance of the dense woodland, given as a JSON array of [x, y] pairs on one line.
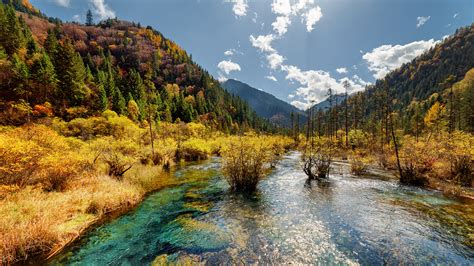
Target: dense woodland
[[70, 70]]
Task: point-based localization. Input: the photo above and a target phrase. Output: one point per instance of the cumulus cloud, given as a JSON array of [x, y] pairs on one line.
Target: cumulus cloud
[[275, 60], [240, 8], [228, 66], [64, 3], [455, 15], [263, 42], [271, 78], [386, 58], [311, 17], [76, 18], [315, 84], [102, 9], [300, 105], [281, 7], [422, 20], [285, 9], [281, 24], [341, 70]]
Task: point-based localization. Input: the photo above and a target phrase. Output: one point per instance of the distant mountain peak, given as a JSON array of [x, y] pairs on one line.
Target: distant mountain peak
[[264, 103]]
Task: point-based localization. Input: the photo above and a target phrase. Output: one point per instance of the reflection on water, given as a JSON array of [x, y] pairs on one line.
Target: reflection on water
[[289, 220]]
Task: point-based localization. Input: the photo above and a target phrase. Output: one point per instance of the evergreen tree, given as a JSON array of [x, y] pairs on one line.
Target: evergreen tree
[[43, 70], [89, 18], [71, 74], [11, 34], [118, 102], [103, 100]]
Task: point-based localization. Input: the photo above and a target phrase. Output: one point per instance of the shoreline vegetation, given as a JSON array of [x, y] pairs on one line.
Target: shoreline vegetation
[[60, 178], [57, 181]]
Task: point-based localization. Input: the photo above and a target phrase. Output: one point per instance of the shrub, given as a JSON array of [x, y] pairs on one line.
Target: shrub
[[317, 160], [118, 155], [317, 166], [462, 170], [410, 175], [193, 150], [245, 163], [358, 168], [38, 155]]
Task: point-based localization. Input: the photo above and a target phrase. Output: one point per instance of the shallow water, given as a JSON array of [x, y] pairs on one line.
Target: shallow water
[[345, 221]]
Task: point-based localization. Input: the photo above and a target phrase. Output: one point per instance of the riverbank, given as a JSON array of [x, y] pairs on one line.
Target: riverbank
[[347, 220], [59, 179]]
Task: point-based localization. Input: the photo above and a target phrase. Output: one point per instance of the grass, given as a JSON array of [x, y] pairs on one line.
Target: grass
[[57, 181]]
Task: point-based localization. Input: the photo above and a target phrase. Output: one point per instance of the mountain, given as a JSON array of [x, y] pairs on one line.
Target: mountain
[[324, 105], [73, 70], [265, 104], [426, 79], [437, 84]]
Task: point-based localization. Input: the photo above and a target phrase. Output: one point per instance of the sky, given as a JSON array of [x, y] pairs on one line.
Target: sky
[[293, 49]]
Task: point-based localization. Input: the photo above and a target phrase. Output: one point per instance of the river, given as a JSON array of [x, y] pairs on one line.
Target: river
[[347, 220]]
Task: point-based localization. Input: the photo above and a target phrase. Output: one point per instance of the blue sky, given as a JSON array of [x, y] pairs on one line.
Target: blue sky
[[294, 49]]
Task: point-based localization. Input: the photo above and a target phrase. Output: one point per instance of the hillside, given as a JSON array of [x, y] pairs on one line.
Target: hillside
[[265, 104], [71, 70], [426, 79], [412, 90]]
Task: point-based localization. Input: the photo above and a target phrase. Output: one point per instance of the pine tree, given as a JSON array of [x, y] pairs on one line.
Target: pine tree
[[103, 100], [43, 70], [89, 18], [71, 74], [11, 34], [118, 102]]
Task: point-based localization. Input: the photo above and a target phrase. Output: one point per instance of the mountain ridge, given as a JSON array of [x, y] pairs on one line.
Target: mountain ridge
[[265, 104]]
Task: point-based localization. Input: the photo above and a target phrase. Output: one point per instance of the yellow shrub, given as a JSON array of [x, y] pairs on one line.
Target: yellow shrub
[[37, 155]]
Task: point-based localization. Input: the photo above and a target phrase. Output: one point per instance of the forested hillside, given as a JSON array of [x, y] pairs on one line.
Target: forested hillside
[[70, 70], [265, 104], [436, 87], [416, 86]]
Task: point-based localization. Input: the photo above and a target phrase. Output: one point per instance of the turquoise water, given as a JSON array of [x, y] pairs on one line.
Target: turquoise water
[[345, 221]]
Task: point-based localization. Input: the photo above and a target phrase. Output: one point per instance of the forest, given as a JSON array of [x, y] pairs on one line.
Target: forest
[[99, 119]]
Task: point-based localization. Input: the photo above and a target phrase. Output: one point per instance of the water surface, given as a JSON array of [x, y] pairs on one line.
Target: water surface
[[344, 221]]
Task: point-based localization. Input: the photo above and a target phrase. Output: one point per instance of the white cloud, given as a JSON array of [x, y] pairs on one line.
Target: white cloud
[[422, 20], [255, 17], [281, 24], [263, 42], [281, 7], [229, 53], [300, 105], [102, 9], [456, 15], [314, 85], [311, 17], [271, 78], [240, 8], [386, 58], [285, 9], [341, 70], [228, 66], [275, 60], [64, 3], [76, 18]]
